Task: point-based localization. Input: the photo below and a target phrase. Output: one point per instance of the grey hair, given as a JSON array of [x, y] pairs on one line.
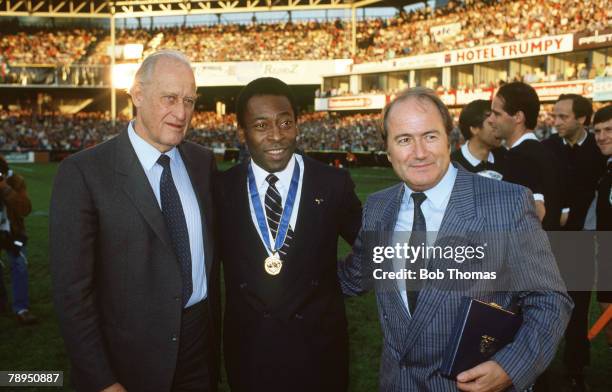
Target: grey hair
[[420, 93], [145, 71]]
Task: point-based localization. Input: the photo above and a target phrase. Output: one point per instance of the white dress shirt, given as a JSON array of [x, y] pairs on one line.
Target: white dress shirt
[[471, 158], [433, 209], [284, 181], [148, 156]]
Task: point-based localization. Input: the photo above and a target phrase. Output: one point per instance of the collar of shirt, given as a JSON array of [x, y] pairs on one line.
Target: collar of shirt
[[579, 142], [439, 195], [283, 188], [526, 136], [284, 177], [146, 153], [471, 158]]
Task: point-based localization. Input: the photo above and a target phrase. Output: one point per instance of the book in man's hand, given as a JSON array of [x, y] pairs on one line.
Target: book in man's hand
[[481, 330]]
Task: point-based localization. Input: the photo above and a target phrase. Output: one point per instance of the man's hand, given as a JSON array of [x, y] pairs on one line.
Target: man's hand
[[486, 377], [116, 387]]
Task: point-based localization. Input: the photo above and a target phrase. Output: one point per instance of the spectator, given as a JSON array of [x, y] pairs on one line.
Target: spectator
[[15, 205]]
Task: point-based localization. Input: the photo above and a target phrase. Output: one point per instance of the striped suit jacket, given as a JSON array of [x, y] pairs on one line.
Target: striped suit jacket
[[479, 210]]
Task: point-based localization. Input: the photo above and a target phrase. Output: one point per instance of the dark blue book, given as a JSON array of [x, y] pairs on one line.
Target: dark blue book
[[481, 330]]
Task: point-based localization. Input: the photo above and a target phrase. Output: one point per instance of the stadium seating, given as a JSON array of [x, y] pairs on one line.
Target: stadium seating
[[481, 22]]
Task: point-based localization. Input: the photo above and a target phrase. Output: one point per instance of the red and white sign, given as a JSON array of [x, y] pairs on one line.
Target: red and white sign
[[463, 97], [546, 92], [356, 102], [431, 60], [551, 91], [510, 50]]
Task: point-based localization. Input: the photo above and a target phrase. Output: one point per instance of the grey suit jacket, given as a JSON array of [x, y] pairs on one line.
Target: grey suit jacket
[[116, 279], [479, 210]]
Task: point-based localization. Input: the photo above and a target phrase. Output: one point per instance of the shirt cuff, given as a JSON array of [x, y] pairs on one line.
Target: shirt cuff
[[538, 197], [565, 211]]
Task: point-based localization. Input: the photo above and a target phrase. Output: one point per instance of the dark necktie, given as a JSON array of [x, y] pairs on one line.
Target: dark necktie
[[484, 165], [274, 211], [418, 237], [172, 209]]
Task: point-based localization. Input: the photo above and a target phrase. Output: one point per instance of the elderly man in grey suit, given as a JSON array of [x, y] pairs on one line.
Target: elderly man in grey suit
[[439, 204], [135, 280]]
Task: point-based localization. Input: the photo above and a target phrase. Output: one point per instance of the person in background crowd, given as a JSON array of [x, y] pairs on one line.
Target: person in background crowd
[[481, 153], [15, 205], [602, 124], [581, 165], [514, 114]]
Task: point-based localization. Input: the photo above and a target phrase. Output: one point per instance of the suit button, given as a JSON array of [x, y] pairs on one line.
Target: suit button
[[243, 285], [266, 314], [314, 282], [177, 298], [174, 338], [298, 316], [385, 316]]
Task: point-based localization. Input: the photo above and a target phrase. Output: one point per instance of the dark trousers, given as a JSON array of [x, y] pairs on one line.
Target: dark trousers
[[577, 346], [192, 368]]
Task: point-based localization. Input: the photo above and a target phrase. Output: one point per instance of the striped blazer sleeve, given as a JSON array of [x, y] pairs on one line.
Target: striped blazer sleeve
[[544, 301]]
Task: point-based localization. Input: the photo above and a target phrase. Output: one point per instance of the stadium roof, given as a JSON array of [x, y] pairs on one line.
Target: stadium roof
[[152, 8]]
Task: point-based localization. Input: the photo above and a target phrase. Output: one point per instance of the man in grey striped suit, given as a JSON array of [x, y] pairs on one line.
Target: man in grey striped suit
[[441, 205]]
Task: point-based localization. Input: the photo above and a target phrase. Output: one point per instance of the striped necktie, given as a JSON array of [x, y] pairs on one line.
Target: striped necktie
[[274, 211]]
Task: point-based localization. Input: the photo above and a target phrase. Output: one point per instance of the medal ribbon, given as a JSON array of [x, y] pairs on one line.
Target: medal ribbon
[[283, 225]]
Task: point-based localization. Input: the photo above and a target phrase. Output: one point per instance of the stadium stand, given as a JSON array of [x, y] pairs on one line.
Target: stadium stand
[[482, 22], [46, 47]]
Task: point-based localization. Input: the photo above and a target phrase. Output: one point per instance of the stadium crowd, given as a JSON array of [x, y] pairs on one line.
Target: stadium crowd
[[22, 130], [57, 47], [481, 23], [460, 24], [258, 41], [319, 131]]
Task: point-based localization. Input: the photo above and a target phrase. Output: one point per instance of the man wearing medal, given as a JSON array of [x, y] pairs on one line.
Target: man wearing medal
[[281, 214]]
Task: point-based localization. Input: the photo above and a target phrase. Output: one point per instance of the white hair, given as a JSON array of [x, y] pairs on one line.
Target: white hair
[[145, 71]]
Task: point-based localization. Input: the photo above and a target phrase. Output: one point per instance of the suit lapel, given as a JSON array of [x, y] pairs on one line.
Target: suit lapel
[[136, 186], [308, 222], [242, 216], [199, 178], [459, 218]]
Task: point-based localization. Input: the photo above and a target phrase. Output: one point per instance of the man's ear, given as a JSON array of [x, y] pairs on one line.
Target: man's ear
[[582, 120], [241, 136], [473, 131], [519, 117], [137, 95]]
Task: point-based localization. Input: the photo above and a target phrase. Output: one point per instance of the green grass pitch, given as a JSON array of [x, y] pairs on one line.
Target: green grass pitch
[[40, 347]]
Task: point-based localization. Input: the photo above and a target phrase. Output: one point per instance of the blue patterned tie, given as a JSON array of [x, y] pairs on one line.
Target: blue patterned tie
[[418, 237], [176, 224]]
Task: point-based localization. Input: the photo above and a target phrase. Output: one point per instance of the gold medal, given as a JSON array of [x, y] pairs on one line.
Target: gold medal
[[273, 264]]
